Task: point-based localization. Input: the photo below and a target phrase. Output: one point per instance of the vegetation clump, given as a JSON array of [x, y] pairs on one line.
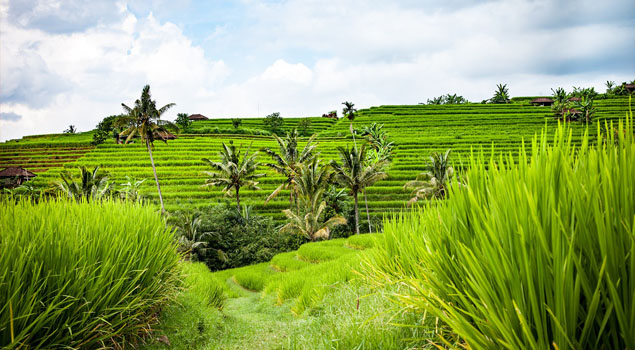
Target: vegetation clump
[[67, 283], [537, 254]]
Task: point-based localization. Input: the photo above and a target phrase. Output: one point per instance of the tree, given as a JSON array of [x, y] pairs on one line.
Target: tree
[[236, 122], [274, 123], [288, 161], [312, 180], [233, 172], [349, 112], [144, 119], [71, 129], [501, 95], [105, 128], [182, 120], [610, 85], [304, 126], [586, 108], [354, 175], [130, 190], [447, 100], [561, 104], [191, 242], [434, 181], [91, 186]]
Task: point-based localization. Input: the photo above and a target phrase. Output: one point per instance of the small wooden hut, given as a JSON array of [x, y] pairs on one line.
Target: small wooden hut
[[541, 101], [15, 176], [195, 117], [630, 88]]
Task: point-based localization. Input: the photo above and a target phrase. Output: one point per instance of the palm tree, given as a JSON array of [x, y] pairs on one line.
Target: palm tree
[[71, 129], [92, 185], [561, 104], [434, 181], [233, 172], [501, 95], [312, 180], [353, 175], [586, 108], [288, 161], [349, 112], [144, 119], [189, 239], [130, 190]]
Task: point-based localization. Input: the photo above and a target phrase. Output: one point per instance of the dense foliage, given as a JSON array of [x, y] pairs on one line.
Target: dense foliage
[[234, 239], [71, 277]]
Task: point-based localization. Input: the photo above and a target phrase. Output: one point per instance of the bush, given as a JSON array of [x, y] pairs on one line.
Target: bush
[[235, 241], [69, 277], [537, 255]]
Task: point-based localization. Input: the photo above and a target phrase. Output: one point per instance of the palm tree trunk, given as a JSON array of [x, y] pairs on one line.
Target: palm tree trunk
[[238, 199], [353, 133], [370, 230], [356, 213], [156, 178]]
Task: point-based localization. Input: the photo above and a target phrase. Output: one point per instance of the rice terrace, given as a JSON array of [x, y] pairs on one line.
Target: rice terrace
[[490, 220]]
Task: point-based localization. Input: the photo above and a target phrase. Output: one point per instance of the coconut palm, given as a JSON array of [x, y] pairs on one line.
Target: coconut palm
[[288, 161], [311, 182], [355, 175], [233, 172], [92, 184], [501, 95], [349, 112], [434, 181], [144, 119]]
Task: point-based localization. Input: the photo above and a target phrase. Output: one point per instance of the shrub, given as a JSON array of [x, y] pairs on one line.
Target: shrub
[[537, 255], [69, 277], [235, 240]]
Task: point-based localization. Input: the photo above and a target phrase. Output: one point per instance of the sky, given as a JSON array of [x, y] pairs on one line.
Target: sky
[[74, 62]]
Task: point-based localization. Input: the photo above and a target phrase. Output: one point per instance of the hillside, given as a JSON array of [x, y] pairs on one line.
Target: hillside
[[417, 130]]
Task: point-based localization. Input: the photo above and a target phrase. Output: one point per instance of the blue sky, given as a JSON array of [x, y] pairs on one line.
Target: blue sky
[[74, 62]]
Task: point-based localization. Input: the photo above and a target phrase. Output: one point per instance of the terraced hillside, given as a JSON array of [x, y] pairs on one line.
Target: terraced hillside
[[40, 153], [417, 130], [316, 124]]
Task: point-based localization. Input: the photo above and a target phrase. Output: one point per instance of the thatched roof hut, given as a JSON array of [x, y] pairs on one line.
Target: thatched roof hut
[[164, 135], [630, 88], [195, 117], [575, 99], [541, 101], [15, 176]]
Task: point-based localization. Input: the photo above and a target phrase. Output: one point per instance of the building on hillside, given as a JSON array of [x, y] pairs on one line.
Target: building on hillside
[[164, 135], [15, 176], [541, 101], [630, 88], [195, 117]]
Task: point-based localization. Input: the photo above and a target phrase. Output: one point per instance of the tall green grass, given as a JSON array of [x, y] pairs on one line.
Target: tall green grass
[[539, 255], [81, 275]]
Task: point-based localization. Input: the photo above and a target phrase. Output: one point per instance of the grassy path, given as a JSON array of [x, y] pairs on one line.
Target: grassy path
[[254, 323]]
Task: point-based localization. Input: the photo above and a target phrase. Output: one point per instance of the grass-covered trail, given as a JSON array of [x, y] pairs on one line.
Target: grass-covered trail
[[253, 322], [312, 298]]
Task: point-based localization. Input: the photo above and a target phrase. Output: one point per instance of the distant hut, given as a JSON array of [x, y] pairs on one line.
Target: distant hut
[[541, 101], [15, 176], [195, 117], [164, 135], [630, 88], [575, 99]]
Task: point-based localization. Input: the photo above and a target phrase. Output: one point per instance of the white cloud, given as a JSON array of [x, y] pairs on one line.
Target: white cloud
[[305, 57]]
